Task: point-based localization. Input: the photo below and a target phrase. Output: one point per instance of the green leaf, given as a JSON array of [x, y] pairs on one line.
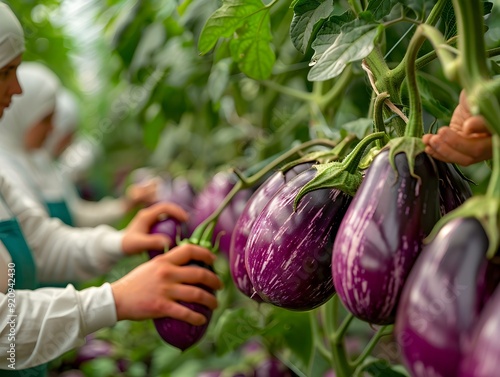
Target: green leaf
[[235, 327], [420, 7], [450, 21], [307, 15], [348, 47], [225, 20], [330, 30], [430, 102], [252, 49], [381, 8], [359, 127], [382, 368]]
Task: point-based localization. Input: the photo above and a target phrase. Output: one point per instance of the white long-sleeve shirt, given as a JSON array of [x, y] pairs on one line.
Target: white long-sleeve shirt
[[51, 321]]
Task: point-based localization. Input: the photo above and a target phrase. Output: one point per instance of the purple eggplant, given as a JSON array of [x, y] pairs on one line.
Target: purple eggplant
[[442, 299], [170, 227], [381, 234], [288, 252], [482, 354], [243, 226], [181, 334], [453, 189], [178, 191], [94, 349], [272, 367], [209, 199]]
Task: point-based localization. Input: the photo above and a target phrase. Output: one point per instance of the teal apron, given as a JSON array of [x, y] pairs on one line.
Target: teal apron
[[12, 237], [60, 211]]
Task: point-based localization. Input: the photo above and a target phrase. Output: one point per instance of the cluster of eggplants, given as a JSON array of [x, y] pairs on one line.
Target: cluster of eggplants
[[288, 252], [381, 235], [243, 227], [443, 300], [209, 199]]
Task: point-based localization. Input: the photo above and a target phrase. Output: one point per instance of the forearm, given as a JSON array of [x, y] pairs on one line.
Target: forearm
[[47, 322]]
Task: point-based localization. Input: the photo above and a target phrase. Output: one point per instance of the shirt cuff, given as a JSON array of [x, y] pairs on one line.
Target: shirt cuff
[[98, 308]]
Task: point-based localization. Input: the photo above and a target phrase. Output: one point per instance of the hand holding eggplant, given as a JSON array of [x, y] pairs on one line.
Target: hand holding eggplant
[[153, 289], [137, 236]]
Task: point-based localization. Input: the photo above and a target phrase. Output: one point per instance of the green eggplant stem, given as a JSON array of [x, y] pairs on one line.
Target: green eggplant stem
[[494, 183], [378, 115], [415, 126], [351, 162], [243, 183], [384, 330]]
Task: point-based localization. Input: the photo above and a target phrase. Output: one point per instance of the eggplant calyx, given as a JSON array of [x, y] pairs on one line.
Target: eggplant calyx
[[331, 175], [486, 210], [411, 146]]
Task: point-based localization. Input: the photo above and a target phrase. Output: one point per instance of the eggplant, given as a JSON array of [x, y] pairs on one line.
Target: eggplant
[[243, 226], [381, 235], [178, 191], [172, 228], [483, 352], [94, 349], [209, 199], [288, 252], [453, 189], [181, 334], [442, 299]]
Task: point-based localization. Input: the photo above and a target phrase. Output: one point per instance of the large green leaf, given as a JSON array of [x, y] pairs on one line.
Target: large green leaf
[[450, 21], [328, 33], [225, 20], [307, 15], [252, 47], [348, 47]]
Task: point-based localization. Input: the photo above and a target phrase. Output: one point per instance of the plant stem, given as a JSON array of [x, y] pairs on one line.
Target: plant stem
[[351, 162], [415, 126], [378, 115], [494, 183], [317, 339], [250, 181], [288, 91], [384, 330], [337, 90]]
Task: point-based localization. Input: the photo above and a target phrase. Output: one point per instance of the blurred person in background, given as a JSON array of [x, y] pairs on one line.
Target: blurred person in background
[[38, 325]]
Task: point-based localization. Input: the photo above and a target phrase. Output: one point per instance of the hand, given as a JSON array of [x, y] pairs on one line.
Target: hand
[[466, 141], [145, 193], [152, 289], [137, 238]]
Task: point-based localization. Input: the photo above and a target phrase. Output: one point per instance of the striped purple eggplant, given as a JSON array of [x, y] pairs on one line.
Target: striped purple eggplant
[[483, 352], [243, 226], [453, 189], [381, 234], [181, 334], [288, 253], [209, 199], [170, 227], [442, 299]]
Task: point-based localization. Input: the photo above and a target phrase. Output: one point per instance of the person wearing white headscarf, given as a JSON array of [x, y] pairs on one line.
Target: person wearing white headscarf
[[37, 325]]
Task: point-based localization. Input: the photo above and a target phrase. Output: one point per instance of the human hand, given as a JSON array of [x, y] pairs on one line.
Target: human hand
[[137, 238], [466, 141], [144, 193], [152, 289]]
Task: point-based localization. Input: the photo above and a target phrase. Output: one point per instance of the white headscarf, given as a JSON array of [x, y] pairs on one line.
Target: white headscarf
[[40, 86], [66, 118], [11, 36]]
